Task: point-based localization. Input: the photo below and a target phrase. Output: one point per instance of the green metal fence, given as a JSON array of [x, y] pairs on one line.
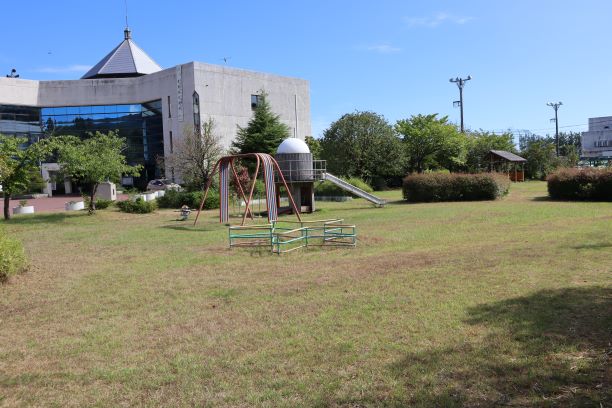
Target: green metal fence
[[287, 236]]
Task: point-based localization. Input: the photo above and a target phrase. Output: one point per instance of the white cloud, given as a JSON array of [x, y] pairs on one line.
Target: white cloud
[[438, 19], [383, 49], [63, 70]]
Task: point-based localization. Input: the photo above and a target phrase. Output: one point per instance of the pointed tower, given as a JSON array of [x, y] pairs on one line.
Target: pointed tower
[[126, 60]]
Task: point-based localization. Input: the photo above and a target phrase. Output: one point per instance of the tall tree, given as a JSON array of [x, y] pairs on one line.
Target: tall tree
[[264, 131], [315, 147], [432, 142], [94, 160], [479, 144], [362, 144], [195, 155], [19, 165], [540, 154]]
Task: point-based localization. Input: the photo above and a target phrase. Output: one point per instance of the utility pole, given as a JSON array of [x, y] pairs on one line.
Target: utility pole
[[460, 83], [555, 106]]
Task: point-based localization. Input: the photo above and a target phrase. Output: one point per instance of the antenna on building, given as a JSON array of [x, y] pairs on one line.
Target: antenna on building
[[126, 15], [126, 32], [13, 74]]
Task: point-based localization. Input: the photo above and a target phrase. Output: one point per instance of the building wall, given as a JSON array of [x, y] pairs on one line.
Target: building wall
[[224, 92], [597, 141], [225, 95]]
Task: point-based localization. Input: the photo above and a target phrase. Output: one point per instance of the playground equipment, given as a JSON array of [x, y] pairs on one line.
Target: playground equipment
[[301, 172], [269, 168], [288, 236], [379, 202]]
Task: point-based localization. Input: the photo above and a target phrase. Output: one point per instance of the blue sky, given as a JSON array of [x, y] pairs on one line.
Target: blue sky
[[391, 57]]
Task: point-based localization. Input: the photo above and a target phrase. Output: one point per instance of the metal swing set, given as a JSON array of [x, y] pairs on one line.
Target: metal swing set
[[280, 237]]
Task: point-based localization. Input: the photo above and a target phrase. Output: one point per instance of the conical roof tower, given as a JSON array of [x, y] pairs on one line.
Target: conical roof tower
[[126, 60]]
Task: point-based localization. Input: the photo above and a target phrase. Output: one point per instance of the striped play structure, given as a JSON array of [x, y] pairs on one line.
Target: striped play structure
[[226, 169]]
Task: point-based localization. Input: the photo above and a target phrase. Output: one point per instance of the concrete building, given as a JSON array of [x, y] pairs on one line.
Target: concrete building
[[151, 107], [597, 141]]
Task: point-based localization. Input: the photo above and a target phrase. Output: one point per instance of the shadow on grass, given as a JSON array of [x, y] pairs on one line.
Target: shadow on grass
[[542, 198], [568, 200], [548, 349], [551, 348], [188, 226], [45, 218], [599, 245]]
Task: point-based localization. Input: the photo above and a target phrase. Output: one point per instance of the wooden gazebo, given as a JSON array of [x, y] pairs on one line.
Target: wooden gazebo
[[506, 162]]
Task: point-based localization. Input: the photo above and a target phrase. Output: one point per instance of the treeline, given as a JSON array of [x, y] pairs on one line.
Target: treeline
[[367, 146]]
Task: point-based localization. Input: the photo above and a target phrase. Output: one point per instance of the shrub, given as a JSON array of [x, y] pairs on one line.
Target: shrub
[[101, 203], [455, 187], [138, 206], [581, 184], [177, 199], [328, 189], [12, 257]]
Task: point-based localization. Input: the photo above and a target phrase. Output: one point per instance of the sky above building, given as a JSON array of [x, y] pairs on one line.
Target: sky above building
[[391, 57]]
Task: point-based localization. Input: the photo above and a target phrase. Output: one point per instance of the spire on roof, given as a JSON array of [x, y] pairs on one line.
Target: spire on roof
[[125, 60]]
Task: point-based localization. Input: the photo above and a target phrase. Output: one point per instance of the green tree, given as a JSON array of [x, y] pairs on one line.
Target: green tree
[[94, 160], [264, 131], [19, 164], [315, 147], [364, 145], [540, 155], [195, 155], [479, 144], [432, 142]]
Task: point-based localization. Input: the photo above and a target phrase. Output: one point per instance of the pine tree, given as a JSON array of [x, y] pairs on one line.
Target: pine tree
[[264, 131]]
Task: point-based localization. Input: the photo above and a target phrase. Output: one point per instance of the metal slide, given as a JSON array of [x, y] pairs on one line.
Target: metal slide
[[379, 202]]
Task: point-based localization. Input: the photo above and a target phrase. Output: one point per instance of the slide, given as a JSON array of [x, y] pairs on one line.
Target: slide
[[379, 202]]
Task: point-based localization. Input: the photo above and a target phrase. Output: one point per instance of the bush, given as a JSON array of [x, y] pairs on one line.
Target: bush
[[177, 199], [138, 206], [328, 189], [433, 187], [581, 184], [101, 203], [12, 257]]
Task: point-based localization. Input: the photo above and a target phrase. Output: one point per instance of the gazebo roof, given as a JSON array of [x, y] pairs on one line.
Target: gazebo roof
[[511, 157]]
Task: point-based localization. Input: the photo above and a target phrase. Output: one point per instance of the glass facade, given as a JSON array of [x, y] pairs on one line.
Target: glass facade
[[140, 124], [22, 121]]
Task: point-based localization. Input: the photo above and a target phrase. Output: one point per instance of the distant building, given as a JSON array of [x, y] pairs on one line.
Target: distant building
[[151, 107], [597, 141]]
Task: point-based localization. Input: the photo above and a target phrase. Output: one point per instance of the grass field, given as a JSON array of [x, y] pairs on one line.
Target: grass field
[[450, 304]]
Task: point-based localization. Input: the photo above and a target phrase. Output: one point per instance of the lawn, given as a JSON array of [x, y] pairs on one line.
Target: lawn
[[449, 304]]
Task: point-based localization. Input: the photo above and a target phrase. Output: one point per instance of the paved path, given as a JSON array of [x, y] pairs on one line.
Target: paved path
[[55, 204]]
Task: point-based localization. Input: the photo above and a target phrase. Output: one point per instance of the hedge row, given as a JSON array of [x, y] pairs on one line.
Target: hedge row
[[433, 187], [328, 189], [12, 257], [177, 199], [581, 184]]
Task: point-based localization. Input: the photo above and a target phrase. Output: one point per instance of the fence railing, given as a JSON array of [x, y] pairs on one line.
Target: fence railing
[[288, 236], [299, 170]]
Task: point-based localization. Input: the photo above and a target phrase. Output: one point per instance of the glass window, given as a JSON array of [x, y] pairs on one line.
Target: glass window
[[110, 109], [196, 111], [97, 109], [85, 110], [72, 110]]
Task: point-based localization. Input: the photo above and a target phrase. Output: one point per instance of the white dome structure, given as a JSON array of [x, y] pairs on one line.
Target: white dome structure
[[292, 145]]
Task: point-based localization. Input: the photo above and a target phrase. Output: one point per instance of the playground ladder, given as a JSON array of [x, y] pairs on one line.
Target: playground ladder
[[379, 202]]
